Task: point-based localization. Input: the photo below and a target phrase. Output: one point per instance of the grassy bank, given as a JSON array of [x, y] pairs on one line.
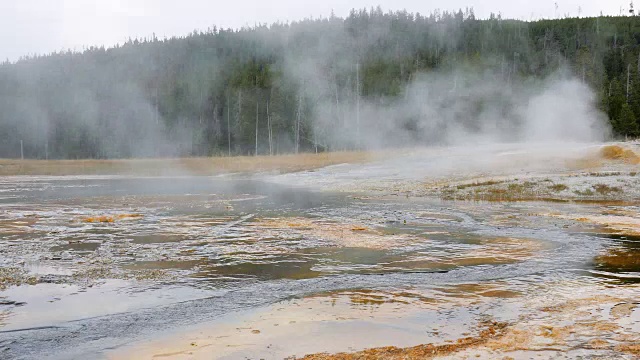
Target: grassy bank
[[182, 166]]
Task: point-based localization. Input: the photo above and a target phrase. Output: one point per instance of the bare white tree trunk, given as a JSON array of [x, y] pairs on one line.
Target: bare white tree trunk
[[229, 122], [257, 117], [269, 130], [628, 80], [239, 114], [298, 117], [358, 105], [201, 105], [156, 112]]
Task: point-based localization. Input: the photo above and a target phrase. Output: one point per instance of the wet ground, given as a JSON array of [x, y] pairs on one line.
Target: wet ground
[[342, 259]]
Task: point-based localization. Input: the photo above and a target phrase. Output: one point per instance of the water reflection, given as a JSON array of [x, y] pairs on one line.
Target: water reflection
[[622, 259]]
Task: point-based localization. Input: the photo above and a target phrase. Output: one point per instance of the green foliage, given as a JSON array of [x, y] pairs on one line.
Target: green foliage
[[200, 92], [627, 123]]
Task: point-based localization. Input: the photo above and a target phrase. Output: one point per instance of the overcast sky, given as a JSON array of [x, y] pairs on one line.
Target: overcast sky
[[42, 26]]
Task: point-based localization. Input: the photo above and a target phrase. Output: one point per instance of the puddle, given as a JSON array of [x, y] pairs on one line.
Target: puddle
[[324, 322], [51, 305]]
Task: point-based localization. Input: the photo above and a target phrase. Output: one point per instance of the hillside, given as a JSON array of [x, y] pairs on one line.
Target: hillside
[[370, 80]]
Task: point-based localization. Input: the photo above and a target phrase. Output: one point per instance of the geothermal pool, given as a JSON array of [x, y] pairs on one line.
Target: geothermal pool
[[106, 266]]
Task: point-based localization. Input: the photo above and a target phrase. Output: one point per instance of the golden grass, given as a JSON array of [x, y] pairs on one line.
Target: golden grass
[[183, 166]]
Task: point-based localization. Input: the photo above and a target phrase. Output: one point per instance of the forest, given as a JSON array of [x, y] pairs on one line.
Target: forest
[[315, 85]]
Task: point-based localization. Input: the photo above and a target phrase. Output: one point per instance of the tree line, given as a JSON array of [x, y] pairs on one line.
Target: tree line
[[287, 87]]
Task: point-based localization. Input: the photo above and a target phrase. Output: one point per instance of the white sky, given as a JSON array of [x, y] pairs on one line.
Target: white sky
[[42, 26]]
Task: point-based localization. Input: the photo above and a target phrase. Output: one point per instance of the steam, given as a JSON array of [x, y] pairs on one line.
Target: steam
[[462, 108], [118, 115]]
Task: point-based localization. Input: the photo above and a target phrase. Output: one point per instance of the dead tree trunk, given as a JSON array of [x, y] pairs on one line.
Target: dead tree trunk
[[298, 117], [628, 80], [257, 118], [269, 130], [229, 122]]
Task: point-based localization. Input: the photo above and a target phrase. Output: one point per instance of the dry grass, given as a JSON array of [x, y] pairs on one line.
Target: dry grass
[[558, 187], [189, 166], [604, 189], [477, 184]]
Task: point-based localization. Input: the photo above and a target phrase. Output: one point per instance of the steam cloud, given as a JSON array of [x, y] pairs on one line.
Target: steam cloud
[[449, 106], [462, 108]]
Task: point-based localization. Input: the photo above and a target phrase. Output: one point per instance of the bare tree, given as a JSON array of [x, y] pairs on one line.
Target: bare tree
[[358, 105], [628, 80], [229, 122], [269, 131], [257, 118], [298, 119]]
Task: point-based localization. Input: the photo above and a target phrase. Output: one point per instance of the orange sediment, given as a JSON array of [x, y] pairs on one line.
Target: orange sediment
[[110, 218], [492, 330], [616, 152]]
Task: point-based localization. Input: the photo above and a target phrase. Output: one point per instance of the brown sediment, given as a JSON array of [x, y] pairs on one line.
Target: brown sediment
[[572, 325], [633, 349], [574, 304], [489, 331], [623, 310], [501, 250], [586, 163], [557, 334], [619, 259], [622, 224], [11, 276], [617, 152], [339, 233], [456, 294], [599, 326], [111, 218], [542, 188], [376, 298], [503, 294], [512, 340], [474, 289], [3, 317], [99, 272], [598, 344]]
